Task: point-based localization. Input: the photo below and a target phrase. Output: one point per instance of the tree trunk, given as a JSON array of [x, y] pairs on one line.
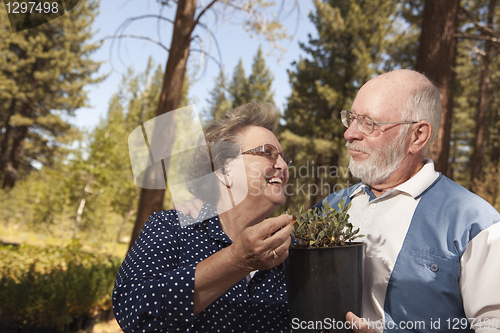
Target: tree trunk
[[477, 160], [496, 163], [12, 164], [151, 200], [4, 146], [83, 201], [124, 221], [436, 59], [78, 218]]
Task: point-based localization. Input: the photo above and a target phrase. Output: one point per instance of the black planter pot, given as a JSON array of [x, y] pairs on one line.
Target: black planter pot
[[324, 284]]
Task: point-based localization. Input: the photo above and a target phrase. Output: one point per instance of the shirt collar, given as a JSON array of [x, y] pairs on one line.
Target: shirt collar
[[210, 218], [414, 186], [417, 184], [358, 190]]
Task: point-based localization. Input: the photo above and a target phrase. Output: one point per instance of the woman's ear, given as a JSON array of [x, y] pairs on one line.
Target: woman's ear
[[224, 177], [420, 137]]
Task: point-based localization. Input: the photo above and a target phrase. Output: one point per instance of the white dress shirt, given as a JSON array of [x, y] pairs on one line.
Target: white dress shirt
[[385, 221]]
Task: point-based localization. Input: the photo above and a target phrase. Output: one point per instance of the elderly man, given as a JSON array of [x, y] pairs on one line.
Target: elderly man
[[432, 246]]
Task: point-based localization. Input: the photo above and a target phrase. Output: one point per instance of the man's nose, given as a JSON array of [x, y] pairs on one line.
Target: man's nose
[[353, 132]]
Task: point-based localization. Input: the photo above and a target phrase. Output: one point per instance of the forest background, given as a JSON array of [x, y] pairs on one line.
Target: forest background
[[67, 193], [61, 182]]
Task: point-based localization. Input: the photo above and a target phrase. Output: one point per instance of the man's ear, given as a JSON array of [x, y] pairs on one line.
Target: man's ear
[[421, 136]]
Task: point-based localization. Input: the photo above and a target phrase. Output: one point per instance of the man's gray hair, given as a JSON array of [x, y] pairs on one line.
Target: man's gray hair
[[424, 103]]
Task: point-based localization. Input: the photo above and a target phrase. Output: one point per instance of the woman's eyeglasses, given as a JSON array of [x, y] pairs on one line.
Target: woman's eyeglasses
[[271, 152]]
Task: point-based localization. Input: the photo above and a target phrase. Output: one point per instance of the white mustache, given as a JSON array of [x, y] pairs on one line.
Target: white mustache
[[355, 147]]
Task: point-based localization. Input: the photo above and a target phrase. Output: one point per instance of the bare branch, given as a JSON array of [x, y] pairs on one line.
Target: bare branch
[[124, 4], [159, 17], [206, 54], [135, 37], [230, 4], [474, 49], [202, 52], [297, 20], [201, 14], [202, 25], [480, 26], [119, 34], [167, 2], [467, 36], [158, 30]]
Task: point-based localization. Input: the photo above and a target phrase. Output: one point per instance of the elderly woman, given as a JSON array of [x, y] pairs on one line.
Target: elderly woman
[[223, 273]]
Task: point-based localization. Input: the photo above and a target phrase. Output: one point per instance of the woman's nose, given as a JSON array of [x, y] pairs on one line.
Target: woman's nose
[[280, 163]]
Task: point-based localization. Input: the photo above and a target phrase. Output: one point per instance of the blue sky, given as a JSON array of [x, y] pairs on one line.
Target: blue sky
[[234, 43]]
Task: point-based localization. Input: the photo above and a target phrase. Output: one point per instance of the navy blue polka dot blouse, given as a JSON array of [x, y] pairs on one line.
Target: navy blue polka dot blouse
[[154, 288]]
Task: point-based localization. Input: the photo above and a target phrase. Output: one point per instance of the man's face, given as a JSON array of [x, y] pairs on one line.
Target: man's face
[[380, 163], [376, 156]]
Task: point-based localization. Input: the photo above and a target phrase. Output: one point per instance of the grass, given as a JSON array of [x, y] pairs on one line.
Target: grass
[[13, 234]]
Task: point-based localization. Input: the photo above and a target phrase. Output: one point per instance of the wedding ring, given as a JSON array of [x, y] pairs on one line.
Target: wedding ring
[[274, 254]]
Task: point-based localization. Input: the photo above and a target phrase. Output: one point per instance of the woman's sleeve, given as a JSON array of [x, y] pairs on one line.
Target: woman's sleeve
[[151, 292]]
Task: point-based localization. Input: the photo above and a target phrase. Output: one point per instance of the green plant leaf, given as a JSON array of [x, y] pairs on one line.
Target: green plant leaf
[[324, 227]]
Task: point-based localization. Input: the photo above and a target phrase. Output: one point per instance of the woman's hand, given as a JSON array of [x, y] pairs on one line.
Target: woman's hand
[[253, 249], [191, 207], [264, 245]]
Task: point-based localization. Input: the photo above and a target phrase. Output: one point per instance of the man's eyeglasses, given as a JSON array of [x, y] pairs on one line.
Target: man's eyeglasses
[[271, 152], [365, 124]]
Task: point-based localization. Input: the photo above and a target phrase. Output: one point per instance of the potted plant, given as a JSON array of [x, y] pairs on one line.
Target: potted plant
[[324, 269]]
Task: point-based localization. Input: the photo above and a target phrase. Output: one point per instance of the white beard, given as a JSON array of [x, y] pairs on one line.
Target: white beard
[[381, 163]]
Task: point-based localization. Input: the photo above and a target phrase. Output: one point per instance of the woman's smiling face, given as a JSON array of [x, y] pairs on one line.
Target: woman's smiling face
[[266, 178]]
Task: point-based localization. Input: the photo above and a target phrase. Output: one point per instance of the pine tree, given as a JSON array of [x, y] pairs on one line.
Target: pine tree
[[349, 50], [254, 88], [218, 102], [475, 144], [483, 111], [436, 58], [102, 184], [44, 71], [106, 183], [260, 81], [239, 88]]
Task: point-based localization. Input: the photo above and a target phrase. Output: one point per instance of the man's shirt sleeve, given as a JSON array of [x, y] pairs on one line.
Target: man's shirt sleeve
[[479, 280]]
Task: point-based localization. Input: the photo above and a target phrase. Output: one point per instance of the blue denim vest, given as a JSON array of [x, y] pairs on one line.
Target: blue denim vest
[[423, 289]]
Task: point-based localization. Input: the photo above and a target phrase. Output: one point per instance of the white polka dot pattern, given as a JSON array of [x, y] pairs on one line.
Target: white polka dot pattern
[[154, 288]]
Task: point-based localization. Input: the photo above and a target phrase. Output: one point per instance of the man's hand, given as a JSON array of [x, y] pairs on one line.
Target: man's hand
[[264, 245], [358, 325], [191, 207]]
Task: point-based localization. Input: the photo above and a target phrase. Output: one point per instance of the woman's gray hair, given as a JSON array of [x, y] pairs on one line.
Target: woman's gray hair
[[424, 103], [223, 137]]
